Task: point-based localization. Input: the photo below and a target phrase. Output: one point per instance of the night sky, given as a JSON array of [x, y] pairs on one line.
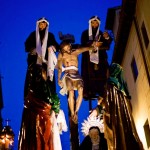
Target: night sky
[[18, 19]]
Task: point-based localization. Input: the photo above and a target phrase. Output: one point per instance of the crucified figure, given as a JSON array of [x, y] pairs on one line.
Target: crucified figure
[[68, 62]]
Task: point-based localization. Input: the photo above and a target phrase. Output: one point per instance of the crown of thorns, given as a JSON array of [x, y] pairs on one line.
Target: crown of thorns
[[92, 122]]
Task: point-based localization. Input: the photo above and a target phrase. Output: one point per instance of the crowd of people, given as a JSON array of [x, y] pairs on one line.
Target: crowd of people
[[42, 118]]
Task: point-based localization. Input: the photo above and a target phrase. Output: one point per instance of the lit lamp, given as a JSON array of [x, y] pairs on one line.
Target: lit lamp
[[6, 137]]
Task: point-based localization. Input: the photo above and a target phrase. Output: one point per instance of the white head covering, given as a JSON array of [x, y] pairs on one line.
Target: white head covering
[[41, 49], [90, 27]]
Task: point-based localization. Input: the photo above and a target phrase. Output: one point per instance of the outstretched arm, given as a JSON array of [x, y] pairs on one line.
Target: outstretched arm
[[93, 48], [83, 49]]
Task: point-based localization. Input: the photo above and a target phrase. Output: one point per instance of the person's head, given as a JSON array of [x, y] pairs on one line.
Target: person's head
[[94, 27], [115, 70], [42, 23], [42, 26], [116, 78], [94, 21], [65, 47], [94, 134]]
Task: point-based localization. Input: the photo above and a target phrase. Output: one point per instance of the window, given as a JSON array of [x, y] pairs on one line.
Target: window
[[147, 133], [134, 69], [145, 35]]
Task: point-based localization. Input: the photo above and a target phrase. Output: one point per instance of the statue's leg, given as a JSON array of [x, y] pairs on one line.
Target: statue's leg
[[78, 85], [78, 103], [71, 102], [69, 85], [79, 99]]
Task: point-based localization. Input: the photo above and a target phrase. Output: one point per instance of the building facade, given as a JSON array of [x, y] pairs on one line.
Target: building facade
[[130, 24]]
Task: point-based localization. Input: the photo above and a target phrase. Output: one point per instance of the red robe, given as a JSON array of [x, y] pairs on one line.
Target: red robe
[[36, 127]]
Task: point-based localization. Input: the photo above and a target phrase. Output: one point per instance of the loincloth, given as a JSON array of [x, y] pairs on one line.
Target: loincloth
[[72, 76]]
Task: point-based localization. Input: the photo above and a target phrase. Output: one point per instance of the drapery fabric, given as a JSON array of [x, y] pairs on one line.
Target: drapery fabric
[[119, 126], [36, 128]]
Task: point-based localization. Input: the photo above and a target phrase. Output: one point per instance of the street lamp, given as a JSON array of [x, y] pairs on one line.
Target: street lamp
[[6, 137]]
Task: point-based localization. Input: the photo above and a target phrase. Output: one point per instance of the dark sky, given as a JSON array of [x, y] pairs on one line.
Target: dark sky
[[18, 19]]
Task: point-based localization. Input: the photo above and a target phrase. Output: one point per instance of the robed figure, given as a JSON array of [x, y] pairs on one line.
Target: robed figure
[[40, 99], [120, 130], [94, 65]]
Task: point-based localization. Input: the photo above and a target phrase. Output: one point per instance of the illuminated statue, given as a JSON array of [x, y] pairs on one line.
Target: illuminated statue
[[94, 66], [40, 98], [68, 62], [119, 127], [93, 130]]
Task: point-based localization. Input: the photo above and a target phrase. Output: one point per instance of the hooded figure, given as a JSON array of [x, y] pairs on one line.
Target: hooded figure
[[93, 130], [38, 45], [94, 64], [119, 127], [39, 96]]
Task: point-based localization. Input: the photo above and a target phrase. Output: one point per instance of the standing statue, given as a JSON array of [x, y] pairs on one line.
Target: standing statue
[[41, 46], [40, 98], [94, 65], [119, 127]]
